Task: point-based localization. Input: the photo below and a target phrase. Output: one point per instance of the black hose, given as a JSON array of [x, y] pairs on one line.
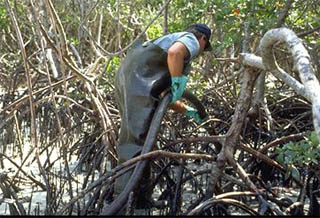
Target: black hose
[[133, 182]]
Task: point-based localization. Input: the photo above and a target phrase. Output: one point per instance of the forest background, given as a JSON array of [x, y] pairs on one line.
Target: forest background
[[67, 52]]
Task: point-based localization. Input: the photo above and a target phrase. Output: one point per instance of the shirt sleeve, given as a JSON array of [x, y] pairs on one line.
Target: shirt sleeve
[[192, 44]]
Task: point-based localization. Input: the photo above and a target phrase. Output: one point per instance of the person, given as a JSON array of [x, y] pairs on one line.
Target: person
[[148, 70]]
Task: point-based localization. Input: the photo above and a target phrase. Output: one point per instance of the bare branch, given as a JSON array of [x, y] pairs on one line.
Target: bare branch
[[302, 63]]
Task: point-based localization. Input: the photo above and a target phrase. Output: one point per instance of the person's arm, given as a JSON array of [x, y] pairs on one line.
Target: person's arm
[[176, 55]]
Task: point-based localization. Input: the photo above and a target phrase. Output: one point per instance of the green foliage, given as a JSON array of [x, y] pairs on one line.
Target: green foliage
[[75, 41], [4, 18], [299, 155], [154, 31], [113, 64]]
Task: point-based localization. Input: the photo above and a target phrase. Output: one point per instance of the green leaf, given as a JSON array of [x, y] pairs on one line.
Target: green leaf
[[295, 173], [305, 146], [315, 161], [279, 158], [314, 138]]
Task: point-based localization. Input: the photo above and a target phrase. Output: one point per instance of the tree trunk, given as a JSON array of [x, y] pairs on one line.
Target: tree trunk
[[232, 136]]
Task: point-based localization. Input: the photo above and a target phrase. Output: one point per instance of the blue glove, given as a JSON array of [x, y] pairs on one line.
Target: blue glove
[[178, 84], [193, 113]]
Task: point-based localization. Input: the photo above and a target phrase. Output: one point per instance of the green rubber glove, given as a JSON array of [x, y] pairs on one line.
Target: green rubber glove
[[178, 84], [193, 113]]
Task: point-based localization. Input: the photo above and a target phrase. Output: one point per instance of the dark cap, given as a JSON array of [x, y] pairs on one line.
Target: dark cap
[[204, 29]]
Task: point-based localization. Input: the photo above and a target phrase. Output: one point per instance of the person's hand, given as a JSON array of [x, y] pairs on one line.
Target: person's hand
[[193, 113], [178, 84]]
